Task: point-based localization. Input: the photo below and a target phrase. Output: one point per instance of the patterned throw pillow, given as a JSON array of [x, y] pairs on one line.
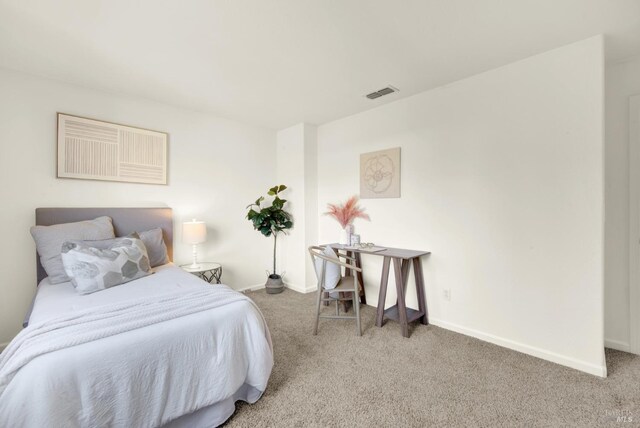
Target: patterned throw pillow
[[93, 268]]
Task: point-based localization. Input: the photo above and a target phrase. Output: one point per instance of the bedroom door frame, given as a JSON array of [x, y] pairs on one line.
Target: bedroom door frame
[[634, 224]]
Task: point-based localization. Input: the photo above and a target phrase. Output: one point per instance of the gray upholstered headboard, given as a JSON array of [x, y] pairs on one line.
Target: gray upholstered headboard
[[125, 221]]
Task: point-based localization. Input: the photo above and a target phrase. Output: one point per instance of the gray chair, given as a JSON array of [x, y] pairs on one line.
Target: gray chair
[[347, 284]]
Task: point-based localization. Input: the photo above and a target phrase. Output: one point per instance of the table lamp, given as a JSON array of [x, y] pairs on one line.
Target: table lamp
[[194, 233]]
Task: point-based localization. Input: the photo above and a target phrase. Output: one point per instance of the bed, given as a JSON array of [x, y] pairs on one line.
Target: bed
[[186, 355]]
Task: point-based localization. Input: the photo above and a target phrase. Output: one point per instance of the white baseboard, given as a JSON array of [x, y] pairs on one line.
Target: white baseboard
[[251, 288], [593, 369], [301, 289], [617, 345], [289, 286]]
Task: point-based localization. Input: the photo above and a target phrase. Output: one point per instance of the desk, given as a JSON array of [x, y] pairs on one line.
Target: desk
[[402, 261]]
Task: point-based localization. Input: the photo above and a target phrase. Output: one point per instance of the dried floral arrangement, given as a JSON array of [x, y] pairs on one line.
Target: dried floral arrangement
[[346, 213]]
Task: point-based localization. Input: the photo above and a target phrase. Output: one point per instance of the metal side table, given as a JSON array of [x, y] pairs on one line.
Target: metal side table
[[207, 271]]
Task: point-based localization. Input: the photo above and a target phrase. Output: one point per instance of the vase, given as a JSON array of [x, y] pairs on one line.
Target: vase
[[344, 237]]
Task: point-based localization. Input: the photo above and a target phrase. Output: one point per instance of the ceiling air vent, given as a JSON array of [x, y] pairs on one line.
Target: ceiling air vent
[[384, 91]]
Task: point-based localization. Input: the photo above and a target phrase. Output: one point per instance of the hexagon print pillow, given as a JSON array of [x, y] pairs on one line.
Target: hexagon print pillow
[[105, 264]]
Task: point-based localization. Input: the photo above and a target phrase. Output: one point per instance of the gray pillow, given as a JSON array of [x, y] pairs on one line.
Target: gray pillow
[[49, 240], [93, 269], [156, 248], [105, 244]]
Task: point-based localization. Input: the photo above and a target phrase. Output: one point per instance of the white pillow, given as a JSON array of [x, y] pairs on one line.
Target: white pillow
[[333, 272]]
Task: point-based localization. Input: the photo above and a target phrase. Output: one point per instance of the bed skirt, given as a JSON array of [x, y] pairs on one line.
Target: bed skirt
[[216, 414]]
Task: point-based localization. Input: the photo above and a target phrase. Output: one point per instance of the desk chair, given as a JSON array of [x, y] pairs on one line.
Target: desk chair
[[345, 285]]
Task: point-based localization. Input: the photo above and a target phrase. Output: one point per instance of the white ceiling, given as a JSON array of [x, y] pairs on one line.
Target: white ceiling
[[280, 62]]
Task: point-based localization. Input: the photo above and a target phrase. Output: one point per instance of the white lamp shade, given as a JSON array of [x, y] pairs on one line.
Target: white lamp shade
[[194, 232]]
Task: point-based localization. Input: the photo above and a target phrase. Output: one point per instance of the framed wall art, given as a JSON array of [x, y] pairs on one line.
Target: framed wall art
[[380, 174], [91, 149]]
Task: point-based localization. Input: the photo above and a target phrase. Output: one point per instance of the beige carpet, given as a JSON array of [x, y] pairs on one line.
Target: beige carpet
[[435, 378]]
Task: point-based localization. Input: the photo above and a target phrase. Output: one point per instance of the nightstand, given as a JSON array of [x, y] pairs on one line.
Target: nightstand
[[207, 271]]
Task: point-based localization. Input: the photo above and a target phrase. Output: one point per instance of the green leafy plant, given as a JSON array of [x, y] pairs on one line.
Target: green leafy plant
[[271, 220]]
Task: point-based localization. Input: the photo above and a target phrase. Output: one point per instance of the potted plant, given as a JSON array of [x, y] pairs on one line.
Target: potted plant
[[345, 214], [271, 221]]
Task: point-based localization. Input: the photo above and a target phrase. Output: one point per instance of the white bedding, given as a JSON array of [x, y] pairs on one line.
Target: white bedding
[[148, 376]]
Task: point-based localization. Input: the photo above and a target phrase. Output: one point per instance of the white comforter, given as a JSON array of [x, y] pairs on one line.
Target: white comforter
[[142, 354]]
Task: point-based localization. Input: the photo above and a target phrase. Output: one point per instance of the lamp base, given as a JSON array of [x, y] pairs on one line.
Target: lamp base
[[195, 264]]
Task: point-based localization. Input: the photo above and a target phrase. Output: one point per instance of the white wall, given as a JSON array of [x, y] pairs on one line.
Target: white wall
[[622, 81], [216, 168], [311, 201], [290, 172], [296, 168], [502, 179]]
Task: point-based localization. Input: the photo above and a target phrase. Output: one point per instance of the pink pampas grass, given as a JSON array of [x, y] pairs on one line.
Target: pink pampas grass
[[346, 213]]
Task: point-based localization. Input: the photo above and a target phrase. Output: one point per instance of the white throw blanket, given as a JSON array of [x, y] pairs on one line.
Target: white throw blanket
[[97, 323], [164, 349]]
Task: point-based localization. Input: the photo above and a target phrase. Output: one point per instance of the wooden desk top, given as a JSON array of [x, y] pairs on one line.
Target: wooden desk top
[[398, 253]]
